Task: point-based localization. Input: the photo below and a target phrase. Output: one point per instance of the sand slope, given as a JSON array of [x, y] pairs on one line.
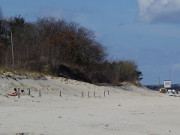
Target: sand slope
[[135, 111]]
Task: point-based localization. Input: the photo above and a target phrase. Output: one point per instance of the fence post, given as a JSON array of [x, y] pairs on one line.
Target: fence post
[[60, 94], [104, 93], [108, 92], [29, 91], [88, 93], [94, 94], [18, 92], [39, 93], [82, 94]]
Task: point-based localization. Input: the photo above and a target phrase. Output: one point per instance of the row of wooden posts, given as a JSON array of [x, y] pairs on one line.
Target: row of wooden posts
[[29, 92], [95, 94], [60, 94]]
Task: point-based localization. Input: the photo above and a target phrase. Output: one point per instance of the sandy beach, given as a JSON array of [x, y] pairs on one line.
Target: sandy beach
[[136, 111]]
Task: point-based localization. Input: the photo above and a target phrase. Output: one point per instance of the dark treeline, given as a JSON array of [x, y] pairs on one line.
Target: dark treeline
[[45, 44], [157, 87]]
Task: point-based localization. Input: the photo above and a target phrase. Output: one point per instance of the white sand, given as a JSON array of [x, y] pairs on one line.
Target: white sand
[[135, 112]]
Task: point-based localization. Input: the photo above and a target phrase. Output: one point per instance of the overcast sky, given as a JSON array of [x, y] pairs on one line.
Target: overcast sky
[[146, 31]]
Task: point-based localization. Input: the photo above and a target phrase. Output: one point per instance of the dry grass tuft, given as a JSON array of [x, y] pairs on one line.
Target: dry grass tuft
[[21, 74]]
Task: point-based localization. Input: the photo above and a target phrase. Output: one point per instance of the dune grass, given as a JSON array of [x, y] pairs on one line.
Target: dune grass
[[30, 74]]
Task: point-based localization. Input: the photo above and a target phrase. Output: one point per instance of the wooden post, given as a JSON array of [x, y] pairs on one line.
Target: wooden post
[[88, 93], [104, 93], [94, 94], [60, 94], [108, 92], [39, 93], [29, 92], [82, 94], [18, 92]]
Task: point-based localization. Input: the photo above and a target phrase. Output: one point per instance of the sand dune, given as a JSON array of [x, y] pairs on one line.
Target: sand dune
[[134, 111]]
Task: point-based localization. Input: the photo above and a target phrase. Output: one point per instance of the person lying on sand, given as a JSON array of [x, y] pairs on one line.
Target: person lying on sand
[[14, 94]]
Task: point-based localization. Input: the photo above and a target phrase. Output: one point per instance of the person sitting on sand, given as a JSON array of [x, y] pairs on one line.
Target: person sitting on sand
[[14, 94]]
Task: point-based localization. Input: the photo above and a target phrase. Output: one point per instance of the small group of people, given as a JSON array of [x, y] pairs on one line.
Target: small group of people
[[15, 93]]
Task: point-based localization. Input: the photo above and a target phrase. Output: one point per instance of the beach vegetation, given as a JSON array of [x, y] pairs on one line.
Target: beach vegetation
[[45, 44]]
